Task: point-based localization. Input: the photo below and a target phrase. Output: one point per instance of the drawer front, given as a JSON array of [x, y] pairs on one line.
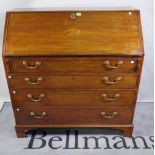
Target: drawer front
[[73, 116], [73, 65], [61, 98], [55, 81]]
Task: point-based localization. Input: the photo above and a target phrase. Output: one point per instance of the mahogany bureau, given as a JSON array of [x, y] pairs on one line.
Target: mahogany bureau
[[68, 69]]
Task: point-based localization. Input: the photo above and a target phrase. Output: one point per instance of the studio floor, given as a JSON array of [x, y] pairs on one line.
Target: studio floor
[[10, 145]]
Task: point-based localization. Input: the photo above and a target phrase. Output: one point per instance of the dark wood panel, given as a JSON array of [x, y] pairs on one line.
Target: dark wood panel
[[73, 115], [69, 98]]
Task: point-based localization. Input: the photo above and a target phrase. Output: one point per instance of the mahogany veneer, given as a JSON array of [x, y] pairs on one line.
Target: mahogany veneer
[[73, 68]]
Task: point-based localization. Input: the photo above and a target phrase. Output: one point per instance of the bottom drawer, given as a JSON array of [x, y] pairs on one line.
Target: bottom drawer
[[72, 116]]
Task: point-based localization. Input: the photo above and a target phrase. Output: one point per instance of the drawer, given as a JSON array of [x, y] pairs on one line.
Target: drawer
[[64, 98], [73, 65], [73, 116], [66, 81]]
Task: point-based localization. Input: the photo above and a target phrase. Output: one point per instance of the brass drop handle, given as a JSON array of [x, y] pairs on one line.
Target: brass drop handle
[[110, 99], [74, 15], [39, 98], [37, 116], [108, 116], [108, 65], [34, 66], [33, 82], [106, 80]]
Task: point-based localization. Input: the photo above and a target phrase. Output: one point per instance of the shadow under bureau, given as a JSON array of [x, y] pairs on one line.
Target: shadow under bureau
[[68, 69]]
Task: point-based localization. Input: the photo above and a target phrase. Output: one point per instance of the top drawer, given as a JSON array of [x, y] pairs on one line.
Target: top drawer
[[72, 65]]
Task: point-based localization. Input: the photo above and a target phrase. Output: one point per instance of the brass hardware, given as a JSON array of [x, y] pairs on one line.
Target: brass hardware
[[73, 16], [111, 99], [108, 116], [108, 66], [35, 82], [78, 14], [132, 62], [17, 109], [9, 77], [35, 66], [130, 13], [106, 80], [14, 92], [35, 99], [37, 116]]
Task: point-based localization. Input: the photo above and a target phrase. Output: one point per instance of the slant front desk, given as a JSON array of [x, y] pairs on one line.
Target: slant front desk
[[72, 69]]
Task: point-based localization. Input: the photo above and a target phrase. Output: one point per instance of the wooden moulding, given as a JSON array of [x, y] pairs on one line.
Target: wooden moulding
[[126, 129]]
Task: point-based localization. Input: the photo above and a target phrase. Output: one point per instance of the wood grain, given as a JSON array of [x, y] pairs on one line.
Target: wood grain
[[73, 82], [72, 53], [72, 65], [101, 33], [73, 115], [69, 98]]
